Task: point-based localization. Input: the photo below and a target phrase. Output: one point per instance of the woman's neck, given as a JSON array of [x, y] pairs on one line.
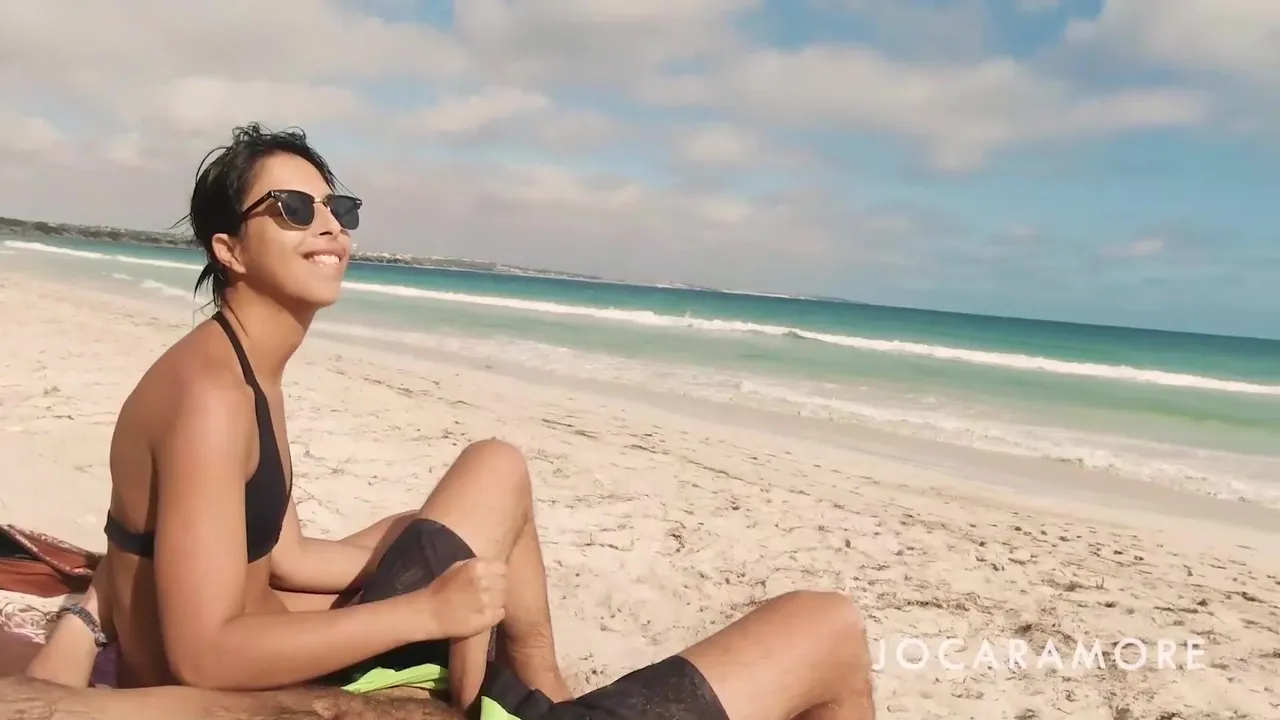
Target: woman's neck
[[271, 332]]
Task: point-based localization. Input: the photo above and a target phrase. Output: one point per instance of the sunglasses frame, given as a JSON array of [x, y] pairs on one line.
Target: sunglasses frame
[[279, 197]]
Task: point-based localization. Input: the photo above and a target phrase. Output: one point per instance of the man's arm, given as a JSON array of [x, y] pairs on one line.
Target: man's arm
[[200, 567], [30, 699], [315, 565]]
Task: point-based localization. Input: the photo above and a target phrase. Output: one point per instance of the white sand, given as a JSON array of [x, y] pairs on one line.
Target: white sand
[[662, 520]]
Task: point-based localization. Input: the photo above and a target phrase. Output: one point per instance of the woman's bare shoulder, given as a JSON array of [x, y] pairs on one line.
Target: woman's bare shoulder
[[189, 405], [192, 377]]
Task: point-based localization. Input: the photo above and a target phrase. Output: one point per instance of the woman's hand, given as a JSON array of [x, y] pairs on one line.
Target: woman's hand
[[466, 600]]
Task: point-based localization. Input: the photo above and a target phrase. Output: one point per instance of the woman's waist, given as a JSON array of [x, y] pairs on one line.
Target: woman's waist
[[134, 619]]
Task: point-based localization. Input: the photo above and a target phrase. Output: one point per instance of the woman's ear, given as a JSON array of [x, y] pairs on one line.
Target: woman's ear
[[227, 251]]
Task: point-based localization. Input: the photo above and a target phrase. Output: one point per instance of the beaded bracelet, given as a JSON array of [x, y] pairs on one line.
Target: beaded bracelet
[[86, 617]]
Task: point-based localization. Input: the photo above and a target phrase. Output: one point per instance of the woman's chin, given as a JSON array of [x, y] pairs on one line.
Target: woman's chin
[[324, 300], [316, 297]]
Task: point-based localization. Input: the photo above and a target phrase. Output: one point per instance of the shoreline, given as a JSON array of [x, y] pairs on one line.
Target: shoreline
[[1090, 492], [465, 265], [1235, 468], [1041, 479], [663, 518]]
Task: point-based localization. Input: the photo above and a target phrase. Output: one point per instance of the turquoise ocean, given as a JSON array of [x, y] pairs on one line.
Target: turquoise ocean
[[1200, 412]]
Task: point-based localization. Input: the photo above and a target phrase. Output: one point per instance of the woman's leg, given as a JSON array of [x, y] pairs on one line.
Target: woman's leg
[[803, 654]]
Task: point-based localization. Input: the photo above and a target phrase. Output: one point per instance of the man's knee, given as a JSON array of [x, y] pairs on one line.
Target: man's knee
[[501, 462], [831, 613], [493, 451]]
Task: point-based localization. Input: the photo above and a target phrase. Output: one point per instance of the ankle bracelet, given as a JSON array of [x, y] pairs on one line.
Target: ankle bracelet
[[86, 617]]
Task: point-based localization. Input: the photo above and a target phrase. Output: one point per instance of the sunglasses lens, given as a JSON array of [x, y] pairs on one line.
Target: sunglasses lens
[[346, 209], [298, 208]]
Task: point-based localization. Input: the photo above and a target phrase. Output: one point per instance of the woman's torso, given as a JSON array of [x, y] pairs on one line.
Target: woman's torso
[[145, 417]]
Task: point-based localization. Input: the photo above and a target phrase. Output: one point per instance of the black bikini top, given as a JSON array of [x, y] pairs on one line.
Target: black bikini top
[[266, 494]]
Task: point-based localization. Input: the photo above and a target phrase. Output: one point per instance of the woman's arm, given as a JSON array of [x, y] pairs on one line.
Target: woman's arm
[[70, 651], [316, 565], [201, 569]]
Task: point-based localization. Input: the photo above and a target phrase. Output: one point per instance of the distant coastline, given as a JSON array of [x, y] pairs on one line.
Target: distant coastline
[[105, 233], [157, 238]]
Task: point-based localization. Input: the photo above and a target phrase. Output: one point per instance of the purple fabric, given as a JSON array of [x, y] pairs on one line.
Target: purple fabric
[[105, 667]]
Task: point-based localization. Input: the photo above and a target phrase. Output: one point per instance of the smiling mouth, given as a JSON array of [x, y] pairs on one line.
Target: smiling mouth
[[324, 258]]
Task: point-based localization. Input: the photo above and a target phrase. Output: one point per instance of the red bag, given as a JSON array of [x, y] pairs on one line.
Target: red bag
[[37, 564]]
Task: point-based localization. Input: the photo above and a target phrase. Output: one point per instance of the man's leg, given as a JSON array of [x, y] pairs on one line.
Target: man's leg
[[27, 699], [486, 497], [802, 655], [23, 698], [374, 538]]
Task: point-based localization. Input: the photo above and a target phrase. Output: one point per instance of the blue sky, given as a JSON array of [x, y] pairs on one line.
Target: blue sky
[[1098, 160]]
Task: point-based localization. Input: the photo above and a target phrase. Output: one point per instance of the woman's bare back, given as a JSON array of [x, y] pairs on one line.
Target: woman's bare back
[[203, 357]]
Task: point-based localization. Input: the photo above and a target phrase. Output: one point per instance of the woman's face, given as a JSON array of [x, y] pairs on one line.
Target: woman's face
[[291, 264]]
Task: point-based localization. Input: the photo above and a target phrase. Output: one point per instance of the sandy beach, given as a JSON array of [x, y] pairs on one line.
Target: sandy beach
[[663, 519]]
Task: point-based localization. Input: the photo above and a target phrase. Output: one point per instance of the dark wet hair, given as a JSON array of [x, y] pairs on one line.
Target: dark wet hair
[[221, 185]]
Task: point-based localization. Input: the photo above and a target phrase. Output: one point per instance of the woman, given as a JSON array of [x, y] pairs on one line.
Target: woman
[[214, 585]]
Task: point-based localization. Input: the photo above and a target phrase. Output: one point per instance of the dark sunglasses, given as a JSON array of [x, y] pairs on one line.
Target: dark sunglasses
[[299, 208]]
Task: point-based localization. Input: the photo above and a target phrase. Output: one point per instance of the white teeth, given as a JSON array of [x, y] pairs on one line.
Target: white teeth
[[324, 259]]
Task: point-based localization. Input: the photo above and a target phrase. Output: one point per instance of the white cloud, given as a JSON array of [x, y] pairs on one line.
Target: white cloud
[[959, 112], [464, 115], [953, 30], [545, 215], [559, 188], [1141, 248], [114, 104], [718, 145], [127, 150], [97, 48], [571, 130], [1235, 39], [176, 66], [510, 115], [537, 214], [599, 40], [723, 209], [207, 106], [1021, 233], [20, 134]]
